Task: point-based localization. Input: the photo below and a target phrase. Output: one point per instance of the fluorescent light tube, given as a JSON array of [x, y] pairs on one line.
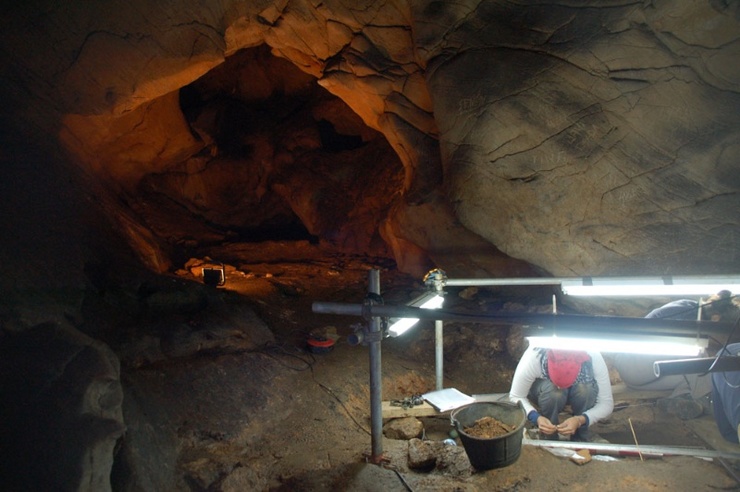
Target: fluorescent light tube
[[650, 286], [427, 301], [684, 346]]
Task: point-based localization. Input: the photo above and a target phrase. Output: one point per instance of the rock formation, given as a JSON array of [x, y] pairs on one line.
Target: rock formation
[[486, 138], [600, 139]]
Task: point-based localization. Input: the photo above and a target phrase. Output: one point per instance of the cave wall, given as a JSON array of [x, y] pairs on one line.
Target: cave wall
[[508, 139], [61, 409], [601, 139]]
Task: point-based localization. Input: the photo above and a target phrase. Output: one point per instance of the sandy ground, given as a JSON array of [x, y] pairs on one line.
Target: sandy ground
[[330, 444], [322, 442]]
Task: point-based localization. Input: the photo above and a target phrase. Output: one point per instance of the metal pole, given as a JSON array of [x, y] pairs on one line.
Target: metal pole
[[376, 383], [629, 449], [439, 351], [711, 282], [465, 282], [536, 322], [725, 363]]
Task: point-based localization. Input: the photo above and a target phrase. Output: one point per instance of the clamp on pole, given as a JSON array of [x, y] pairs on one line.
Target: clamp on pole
[[436, 280], [361, 333]]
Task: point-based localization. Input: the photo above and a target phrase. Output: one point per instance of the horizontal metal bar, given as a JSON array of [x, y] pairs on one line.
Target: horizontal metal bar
[[657, 279], [482, 282], [633, 449], [726, 363], [537, 323]]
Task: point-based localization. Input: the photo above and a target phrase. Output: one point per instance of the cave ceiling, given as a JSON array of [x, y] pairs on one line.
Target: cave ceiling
[[487, 138], [484, 137]]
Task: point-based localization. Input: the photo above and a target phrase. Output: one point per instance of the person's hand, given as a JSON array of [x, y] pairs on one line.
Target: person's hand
[[571, 425], [545, 426]]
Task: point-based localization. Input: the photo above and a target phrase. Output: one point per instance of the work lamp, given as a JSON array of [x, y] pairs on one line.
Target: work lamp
[[631, 344], [429, 300], [650, 286]]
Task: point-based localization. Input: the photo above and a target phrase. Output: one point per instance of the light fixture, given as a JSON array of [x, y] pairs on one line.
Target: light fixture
[[214, 276], [429, 300], [724, 363], [635, 344], [373, 311], [650, 286]]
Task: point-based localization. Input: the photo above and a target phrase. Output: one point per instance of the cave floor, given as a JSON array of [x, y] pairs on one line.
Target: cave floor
[[322, 442]]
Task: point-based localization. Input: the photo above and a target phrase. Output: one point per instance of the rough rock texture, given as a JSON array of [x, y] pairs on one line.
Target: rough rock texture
[[592, 140], [178, 322], [61, 409], [177, 422], [487, 138], [583, 140], [450, 460], [403, 428]]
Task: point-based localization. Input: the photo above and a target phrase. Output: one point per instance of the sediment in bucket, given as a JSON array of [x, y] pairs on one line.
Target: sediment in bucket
[[497, 452]]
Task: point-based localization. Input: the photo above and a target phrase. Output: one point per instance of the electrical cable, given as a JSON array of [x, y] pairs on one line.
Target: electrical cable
[[722, 351], [400, 477], [309, 365], [279, 349], [349, 414]]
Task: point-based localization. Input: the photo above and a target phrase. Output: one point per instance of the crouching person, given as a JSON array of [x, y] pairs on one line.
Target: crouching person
[[547, 380]]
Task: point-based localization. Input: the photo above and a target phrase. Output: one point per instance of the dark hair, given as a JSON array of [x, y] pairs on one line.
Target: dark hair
[[722, 304]]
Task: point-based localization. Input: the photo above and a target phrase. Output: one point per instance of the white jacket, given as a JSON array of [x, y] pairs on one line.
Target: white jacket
[[530, 368]]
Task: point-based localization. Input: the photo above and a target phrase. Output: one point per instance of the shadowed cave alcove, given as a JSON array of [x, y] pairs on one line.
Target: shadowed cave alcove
[[281, 159], [297, 146]]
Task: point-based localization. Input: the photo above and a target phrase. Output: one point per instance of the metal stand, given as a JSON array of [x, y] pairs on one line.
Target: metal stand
[[439, 352], [372, 310], [376, 382], [435, 281]]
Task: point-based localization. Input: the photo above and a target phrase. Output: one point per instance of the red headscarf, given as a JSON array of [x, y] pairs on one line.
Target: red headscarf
[[563, 366]]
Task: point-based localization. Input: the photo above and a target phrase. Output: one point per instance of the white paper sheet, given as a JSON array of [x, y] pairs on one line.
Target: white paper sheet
[[447, 399]]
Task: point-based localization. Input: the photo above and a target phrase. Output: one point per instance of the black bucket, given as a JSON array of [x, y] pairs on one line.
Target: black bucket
[[497, 452]]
